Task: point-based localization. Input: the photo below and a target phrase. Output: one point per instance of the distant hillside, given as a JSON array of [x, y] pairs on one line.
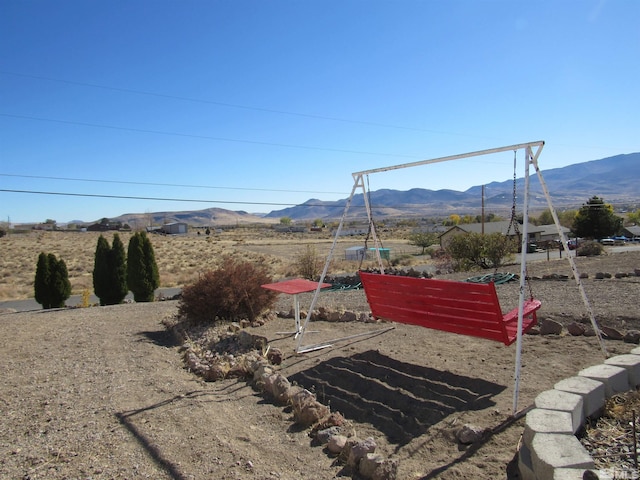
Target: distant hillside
[[616, 179], [197, 218]]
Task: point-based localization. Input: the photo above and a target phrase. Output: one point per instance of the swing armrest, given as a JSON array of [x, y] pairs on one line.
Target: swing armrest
[[529, 319]]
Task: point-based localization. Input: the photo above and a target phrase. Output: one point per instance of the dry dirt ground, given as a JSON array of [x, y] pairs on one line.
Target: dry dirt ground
[[102, 393]]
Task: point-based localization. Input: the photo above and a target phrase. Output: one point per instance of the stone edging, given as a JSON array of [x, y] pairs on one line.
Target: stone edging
[[549, 446]]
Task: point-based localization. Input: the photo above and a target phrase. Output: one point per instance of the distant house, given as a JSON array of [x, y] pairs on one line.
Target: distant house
[[632, 231], [175, 228], [489, 228], [99, 227], [550, 232]]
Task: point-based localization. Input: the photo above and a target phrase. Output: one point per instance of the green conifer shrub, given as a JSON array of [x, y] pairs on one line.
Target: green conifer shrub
[[51, 285], [110, 271], [142, 271]]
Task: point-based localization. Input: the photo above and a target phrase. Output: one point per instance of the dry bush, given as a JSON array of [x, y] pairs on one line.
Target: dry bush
[[232, 292]]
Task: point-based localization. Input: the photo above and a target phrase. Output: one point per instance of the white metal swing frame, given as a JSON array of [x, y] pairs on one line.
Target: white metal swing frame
[[532, 152]]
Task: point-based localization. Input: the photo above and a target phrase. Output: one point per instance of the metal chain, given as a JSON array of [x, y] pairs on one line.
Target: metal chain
[[514, 223]]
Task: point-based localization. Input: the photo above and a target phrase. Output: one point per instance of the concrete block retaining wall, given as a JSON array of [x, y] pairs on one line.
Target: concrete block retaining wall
[[550, 449]]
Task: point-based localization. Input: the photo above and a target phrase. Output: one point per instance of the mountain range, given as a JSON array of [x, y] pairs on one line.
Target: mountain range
[[615, 179]]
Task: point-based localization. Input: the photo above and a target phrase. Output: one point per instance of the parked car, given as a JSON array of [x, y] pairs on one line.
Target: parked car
[[607, 241]]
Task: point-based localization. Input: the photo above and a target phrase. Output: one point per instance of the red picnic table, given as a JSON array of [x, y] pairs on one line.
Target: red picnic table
[[295, 287]]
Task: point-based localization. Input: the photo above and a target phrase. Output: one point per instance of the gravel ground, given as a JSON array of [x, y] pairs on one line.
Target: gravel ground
[[102, 393]]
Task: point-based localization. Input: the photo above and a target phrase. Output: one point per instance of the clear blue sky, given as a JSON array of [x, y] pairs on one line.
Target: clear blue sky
[[257, 105]]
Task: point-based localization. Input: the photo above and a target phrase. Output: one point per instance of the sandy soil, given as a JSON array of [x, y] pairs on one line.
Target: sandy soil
[[102, 393]]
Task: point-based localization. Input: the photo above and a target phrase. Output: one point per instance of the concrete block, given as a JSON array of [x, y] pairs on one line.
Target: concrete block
[[635, 351], [591, 391], [615, 379], [550, 451], [524, 464], [569, 473], [631, 363], [564, 402], [540, 420]]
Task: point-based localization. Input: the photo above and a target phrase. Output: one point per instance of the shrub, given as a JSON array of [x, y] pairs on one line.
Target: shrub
[[308, 264], [51, 285], [231, 293], [484, 251], [589, 249], [110, 271], [142, 271], [405, 259]]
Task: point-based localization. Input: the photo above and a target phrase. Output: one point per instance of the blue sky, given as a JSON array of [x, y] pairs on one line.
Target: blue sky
[[258, 105]]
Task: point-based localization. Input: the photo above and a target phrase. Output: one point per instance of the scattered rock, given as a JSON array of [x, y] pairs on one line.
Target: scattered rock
[[323, 436], [550, 327], [611, 333], [306, 409], [632, 336], [387, 471], [359, 450], [336, 443], [348, 317], [576, 329], [335, 419], [274, 355], [469, 434], [369, 464]]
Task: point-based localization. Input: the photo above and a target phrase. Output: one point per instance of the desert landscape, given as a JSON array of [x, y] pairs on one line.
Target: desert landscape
[[103, 392]]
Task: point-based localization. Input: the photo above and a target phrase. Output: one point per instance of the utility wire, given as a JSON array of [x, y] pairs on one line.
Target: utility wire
[[226, 104], [123, 182], [335, 204], [128, 197], [203, 137]]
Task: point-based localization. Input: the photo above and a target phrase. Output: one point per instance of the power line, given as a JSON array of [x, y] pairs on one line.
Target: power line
[[129, 197], [226, 104], [336, 204], [123, 182], [202, 137]]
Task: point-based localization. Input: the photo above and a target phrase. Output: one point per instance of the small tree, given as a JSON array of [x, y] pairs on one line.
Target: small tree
[[423, 240], [42, 281], [101, 270], [595, 219], [230, 293], [142, 271], [484, 251], [110, 271], [60, 285], [51, 285], [118, 269]]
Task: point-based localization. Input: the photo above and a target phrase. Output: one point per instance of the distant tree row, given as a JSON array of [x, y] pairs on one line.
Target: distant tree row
[[594, 220]]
